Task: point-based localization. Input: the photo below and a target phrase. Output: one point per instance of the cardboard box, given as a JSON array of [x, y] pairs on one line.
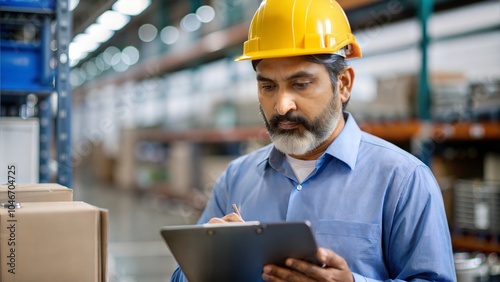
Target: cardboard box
[[53, 241], [44, 192]]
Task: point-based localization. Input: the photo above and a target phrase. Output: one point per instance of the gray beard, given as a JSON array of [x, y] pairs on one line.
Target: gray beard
[[318, 131]]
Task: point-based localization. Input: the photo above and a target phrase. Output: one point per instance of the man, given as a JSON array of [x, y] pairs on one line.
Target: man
[[375, 210]]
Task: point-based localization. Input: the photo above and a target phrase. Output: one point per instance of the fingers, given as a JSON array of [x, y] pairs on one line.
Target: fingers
[[336, 269], [216, 220], [331, 259], [232, 217], [276, 274]]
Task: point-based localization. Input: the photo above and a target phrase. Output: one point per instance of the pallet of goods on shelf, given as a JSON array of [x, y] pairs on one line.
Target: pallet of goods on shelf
[[397, 95], [477, 206], [476, 215], [450, 97], [486, 100], [395, 99]]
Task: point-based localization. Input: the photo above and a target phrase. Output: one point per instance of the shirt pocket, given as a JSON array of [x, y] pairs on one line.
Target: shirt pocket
[[354, 241]]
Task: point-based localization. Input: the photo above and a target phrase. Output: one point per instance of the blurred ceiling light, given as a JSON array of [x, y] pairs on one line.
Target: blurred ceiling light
[[74, 77], [205, 14], [73, 63], [190, 22], [90, 68], [131, 8], [84, 43], [100, 64], [108, 54], [147, 32], [99, 33], [126, 59], [98, 69], [76, 53], [73, 4], [116, 59], [169, 35], [132, 53], [113, 20], [87, 47], [120, 67]]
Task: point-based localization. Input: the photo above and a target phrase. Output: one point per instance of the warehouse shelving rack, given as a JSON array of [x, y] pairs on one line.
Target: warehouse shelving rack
[[40, 67]]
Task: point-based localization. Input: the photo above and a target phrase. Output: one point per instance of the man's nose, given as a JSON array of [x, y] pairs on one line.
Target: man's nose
[[285, 102]]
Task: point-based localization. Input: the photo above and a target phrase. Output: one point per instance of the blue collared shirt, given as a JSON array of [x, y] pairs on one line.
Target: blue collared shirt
[[371, 202]]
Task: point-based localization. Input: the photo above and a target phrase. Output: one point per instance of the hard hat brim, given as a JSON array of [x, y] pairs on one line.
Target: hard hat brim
[[281, 53]]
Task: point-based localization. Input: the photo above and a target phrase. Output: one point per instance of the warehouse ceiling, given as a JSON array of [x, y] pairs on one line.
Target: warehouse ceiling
[[166, 12], [87, 11]]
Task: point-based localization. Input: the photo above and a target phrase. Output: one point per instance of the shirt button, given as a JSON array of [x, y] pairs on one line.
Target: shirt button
[[299, 187]]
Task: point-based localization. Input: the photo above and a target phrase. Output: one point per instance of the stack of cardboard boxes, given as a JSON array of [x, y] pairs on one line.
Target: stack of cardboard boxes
[[46, 236]]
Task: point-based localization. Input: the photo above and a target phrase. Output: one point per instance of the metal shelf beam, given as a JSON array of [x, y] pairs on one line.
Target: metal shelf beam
[[63, 89]]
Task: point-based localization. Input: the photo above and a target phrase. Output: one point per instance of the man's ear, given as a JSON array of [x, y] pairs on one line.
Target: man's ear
[[345, 83]]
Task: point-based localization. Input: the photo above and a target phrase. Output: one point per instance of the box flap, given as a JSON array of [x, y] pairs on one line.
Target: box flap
[[43, 192], [103, 247]]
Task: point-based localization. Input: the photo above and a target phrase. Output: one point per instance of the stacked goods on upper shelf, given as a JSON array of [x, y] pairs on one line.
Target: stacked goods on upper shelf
[[450, 97], [453, 98], [477, 206], [395, 99], [486, 100]]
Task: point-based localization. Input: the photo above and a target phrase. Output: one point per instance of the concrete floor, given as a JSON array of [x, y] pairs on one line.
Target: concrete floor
[[136, 251]]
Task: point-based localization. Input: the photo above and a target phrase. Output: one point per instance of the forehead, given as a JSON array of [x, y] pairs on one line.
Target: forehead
[[287, 66]]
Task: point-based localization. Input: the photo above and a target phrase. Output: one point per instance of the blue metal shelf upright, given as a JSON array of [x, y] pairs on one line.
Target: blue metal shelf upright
[[39, 64]]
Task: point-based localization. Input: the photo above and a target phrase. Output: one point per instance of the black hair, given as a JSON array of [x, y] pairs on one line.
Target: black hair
[[333, 63]]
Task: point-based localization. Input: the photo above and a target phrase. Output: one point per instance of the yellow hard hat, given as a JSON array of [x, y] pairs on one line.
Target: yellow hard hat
[[285, 28]]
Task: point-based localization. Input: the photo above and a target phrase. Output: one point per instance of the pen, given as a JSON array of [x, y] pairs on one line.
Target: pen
[[236, 210]]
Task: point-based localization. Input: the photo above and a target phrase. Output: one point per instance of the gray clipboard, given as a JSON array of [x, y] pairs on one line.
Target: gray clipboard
[[237, 251]]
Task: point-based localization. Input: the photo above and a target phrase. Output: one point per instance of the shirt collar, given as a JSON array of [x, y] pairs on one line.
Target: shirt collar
[[344, 148]]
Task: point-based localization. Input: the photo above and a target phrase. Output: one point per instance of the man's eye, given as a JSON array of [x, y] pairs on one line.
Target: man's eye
[[267, 87], [301, 84]]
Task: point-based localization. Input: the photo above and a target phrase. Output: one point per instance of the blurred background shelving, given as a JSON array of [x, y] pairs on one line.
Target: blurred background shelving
[[34, 73]]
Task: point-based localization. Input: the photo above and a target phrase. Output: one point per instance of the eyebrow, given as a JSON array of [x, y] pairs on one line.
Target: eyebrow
[[296, 75], [262, 78]]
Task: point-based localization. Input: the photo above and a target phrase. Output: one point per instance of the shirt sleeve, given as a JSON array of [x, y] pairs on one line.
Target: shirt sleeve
[[417, 242], [178, 276]]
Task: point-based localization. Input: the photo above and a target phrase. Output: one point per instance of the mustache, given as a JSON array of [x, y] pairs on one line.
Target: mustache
[[288, 117]]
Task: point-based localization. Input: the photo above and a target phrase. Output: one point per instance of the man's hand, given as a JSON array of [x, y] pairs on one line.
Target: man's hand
[[336, 269], [232, 217]]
